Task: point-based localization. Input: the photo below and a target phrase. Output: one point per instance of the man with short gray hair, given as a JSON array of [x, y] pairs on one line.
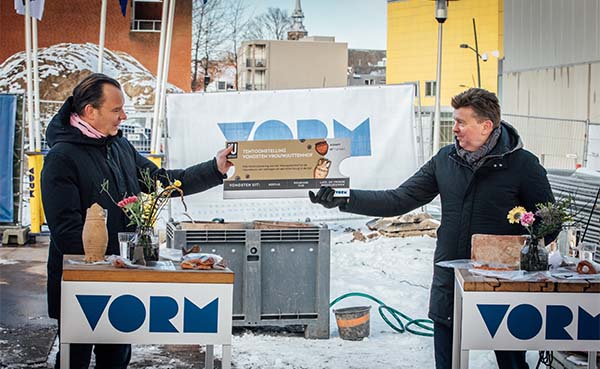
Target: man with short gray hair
[[479, 178]]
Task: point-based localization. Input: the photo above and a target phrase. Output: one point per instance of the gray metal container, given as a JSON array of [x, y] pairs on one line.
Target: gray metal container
[[281, 270]]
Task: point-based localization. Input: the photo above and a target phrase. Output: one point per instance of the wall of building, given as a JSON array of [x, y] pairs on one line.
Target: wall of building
[[306, 64], [542, 33], [78, 21], [551, 78], [412, 45]]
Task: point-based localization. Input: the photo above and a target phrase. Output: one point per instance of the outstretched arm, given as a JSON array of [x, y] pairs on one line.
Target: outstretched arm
[[416, 191]]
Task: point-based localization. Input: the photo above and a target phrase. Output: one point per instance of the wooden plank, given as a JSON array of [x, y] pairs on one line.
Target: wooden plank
[[472, 282], [572, 286], [108, 273]]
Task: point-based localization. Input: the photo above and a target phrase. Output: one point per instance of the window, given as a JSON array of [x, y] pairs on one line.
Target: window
[[146, 15], [430, 88], [221, 85]]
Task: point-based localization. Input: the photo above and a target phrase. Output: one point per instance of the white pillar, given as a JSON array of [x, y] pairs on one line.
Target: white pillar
[[165, 75], [155, 142], [28, 78], [438, 82], [36, 87], [102, 32]]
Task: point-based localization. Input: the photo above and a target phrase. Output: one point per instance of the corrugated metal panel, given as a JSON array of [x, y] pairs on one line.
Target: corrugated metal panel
[[560, 92], [595, 92], [584, 190], [546, 33]]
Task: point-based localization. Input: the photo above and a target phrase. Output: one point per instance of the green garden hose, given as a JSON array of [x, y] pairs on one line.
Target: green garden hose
[[425, 325]]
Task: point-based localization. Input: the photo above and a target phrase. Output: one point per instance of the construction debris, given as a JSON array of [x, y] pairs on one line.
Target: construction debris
[[407, 225]]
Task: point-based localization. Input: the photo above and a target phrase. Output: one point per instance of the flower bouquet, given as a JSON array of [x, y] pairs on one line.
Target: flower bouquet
[[143, 210], [548, 219]]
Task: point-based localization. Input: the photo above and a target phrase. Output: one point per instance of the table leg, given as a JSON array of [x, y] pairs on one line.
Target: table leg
[[209, 357], [226, 362], [592, 355], [65, 351], [460, 358]]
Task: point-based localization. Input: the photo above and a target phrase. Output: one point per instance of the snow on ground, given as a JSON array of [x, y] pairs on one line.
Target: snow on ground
[[395, 270]]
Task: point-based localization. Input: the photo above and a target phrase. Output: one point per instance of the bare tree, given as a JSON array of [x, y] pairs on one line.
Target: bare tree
[[272, 25], [237, 24], [209, 33]]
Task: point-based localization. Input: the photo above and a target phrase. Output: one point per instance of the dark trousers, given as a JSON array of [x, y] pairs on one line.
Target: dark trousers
[[442, 344], [108, 356]]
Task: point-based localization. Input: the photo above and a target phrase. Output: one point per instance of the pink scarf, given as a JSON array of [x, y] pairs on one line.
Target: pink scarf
[[84, 127]]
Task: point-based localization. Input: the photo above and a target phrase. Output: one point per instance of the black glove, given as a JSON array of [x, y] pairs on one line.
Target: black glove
[[325, 198]]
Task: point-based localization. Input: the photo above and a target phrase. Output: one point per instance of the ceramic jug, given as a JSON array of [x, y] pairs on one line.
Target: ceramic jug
[[95, 234]]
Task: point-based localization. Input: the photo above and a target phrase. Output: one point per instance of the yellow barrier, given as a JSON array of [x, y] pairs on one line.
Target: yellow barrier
[[156, 159], [35, 162]]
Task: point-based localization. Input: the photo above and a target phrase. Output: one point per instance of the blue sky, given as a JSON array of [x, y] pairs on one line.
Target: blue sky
[[360, 23]]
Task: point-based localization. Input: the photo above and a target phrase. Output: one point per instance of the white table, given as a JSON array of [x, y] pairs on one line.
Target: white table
[[103, 304], [494, 314]]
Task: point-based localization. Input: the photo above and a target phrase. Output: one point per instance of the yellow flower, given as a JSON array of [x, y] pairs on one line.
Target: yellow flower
[[515, 214], [177, 183]]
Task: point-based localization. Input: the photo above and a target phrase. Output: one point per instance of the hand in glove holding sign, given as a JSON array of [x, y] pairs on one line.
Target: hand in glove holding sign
[[325, 198]]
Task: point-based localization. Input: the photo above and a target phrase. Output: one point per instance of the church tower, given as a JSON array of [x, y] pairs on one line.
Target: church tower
[[297, 30]]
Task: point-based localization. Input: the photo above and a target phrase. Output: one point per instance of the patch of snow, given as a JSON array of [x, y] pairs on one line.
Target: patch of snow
[[61, 66], [8, 262]]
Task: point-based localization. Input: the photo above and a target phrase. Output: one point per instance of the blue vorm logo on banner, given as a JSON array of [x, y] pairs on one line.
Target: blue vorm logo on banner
[[360, 137], [127, 313], [525, 321]]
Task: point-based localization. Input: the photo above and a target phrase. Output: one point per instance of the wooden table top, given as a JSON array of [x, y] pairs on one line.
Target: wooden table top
[[108, 273], [472, 282]]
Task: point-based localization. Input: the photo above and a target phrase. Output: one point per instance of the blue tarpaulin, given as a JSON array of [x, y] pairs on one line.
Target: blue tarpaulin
[[8, 109]]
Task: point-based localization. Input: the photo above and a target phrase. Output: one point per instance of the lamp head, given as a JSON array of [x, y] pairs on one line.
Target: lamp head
[[441, 11], [464, 46]]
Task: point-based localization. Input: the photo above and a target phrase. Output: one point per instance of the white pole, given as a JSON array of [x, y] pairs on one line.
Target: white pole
[[438, 82], [29, 82], [441, 14], [154, 145], [165, 73], [102, 32], [36, 87]]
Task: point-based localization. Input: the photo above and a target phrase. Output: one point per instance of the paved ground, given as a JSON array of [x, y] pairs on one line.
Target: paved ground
[[26, 332], [27, 335]]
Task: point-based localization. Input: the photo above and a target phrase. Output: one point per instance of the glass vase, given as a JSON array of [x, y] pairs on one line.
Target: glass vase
[[534, 256], [145, 246]]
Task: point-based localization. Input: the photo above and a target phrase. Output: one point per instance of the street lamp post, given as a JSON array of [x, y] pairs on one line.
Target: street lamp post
[[441, 14], [477, 56]]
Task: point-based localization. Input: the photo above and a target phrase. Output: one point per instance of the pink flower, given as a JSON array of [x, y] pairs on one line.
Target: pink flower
[[126, 201], [527, 219]]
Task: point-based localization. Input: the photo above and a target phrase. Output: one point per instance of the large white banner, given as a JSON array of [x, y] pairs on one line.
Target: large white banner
[[379, 120]]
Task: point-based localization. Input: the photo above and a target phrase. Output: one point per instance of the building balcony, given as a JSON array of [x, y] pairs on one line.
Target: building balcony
[[255, 63], [145, 25], [255, 87]]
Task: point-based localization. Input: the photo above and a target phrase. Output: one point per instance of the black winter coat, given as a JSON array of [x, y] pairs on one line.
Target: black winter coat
[[473, 201], [73, 172]]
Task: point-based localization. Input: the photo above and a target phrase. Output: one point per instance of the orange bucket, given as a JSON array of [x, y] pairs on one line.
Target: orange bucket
[[353, 322]]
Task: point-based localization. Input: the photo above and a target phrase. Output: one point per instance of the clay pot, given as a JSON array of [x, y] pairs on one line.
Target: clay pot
[[95, 234]]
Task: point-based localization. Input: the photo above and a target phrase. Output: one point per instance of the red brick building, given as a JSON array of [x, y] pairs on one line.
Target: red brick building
[[78, 21]]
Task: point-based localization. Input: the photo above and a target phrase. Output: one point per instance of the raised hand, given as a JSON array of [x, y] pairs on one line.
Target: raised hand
[[222, 163]]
